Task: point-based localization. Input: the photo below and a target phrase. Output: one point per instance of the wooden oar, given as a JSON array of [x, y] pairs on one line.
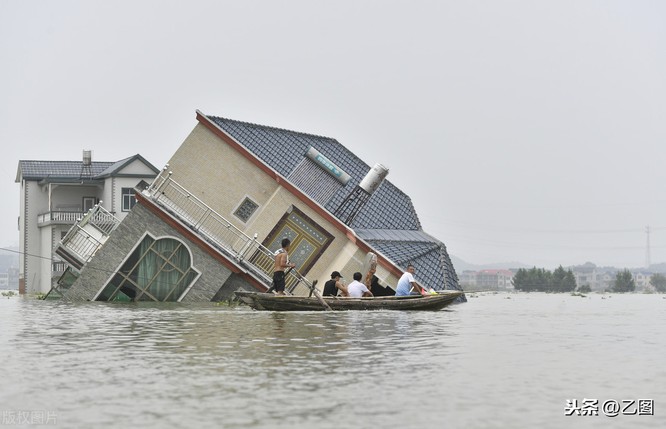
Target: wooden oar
[[315, 292]]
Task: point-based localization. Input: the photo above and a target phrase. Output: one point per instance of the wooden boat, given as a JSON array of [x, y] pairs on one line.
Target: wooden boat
[[273, 302]]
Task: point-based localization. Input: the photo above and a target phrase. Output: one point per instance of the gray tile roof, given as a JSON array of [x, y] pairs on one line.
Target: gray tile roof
[[431, 261], [38, 170], [388, 207], [73, 170], [394, 235], [388, 221], [119, 165]]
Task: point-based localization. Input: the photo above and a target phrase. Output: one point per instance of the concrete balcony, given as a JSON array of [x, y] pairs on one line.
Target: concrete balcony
[[86, 236], [59, 218]]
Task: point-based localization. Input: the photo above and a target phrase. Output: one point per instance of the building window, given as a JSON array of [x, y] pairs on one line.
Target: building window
[[128, 199], [156, 270], [88, 203], [246, 209]]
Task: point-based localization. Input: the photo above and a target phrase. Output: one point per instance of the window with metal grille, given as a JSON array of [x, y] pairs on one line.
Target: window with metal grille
[[246, 209], [158, 269]]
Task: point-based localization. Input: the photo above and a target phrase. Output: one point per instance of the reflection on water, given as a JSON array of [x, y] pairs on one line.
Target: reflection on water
[[493, 362]]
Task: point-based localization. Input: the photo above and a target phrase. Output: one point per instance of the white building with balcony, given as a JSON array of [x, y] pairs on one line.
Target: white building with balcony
[[55, 194]]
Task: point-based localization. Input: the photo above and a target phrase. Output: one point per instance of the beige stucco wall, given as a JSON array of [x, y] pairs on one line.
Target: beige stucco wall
[[353, 259], [220, 176]]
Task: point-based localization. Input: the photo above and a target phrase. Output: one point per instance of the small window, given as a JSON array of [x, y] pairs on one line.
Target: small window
[[88, 203], [128, 199], [246, 209]]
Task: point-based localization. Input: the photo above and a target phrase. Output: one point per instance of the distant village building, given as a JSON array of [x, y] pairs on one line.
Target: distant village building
[[642, 281], [603, 279], [55, 195], [490, 279], [210, 223], [590, 275], [495, 279]]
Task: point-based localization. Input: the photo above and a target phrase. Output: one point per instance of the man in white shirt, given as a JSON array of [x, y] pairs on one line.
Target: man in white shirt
[[407, 282], [356, 289]]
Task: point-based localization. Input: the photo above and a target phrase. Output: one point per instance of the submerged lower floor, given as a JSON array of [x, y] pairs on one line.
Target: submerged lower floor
[[149, 259]]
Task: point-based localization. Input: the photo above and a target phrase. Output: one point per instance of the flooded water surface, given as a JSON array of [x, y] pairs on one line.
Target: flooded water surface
[[498, 361]]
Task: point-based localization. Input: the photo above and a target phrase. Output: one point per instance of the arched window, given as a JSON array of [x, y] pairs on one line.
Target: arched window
[[157, 270]]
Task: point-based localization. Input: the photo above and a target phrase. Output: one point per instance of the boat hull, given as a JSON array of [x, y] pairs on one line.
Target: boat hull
[[272, 302]]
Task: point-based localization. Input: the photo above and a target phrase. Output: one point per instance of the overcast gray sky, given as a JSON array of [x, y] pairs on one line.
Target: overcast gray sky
[[529, 131]]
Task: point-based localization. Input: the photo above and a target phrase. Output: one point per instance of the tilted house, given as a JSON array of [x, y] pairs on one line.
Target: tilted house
[[210, 221], [56, 194]]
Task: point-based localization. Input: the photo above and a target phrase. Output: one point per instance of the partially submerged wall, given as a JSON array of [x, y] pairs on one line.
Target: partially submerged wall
[[123, 240]]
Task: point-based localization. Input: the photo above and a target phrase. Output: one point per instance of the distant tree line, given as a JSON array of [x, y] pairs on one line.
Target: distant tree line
[[561, 280], [542, 280]]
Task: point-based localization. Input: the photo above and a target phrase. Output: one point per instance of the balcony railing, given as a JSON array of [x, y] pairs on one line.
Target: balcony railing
[[221, 233], [86, 236], [61, 217], [58, 267], [65, 218]]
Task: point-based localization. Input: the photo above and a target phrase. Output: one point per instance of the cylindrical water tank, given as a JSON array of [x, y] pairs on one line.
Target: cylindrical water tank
[[87, 157], [374, 178]]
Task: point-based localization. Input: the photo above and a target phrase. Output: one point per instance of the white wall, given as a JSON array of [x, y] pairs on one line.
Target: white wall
[[69, 197], [44, 262], [119, 184], [37, 203]]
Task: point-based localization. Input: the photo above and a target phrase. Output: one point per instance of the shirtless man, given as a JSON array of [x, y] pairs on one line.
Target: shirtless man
[[281, 262]]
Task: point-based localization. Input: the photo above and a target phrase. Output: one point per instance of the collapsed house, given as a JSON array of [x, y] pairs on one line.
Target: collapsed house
[[211, 220]]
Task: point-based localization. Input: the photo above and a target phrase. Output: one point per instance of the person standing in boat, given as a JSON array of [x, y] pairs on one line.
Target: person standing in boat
[[281, 262], [334, 285], [356, 289], [407, 283]]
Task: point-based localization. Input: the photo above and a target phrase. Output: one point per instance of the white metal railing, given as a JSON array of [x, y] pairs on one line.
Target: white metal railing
[[101, 219], [59, 216], [87, 235], [58, 266], [220, 232]]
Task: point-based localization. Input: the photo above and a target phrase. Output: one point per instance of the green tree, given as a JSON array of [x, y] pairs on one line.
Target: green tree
[[543, 279], [562, 281], [585, 289], [533, 280], [624, 282], [570, 284], [520, 280], [659, 282]]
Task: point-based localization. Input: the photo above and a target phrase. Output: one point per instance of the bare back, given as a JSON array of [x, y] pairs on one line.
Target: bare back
[[281, 261]]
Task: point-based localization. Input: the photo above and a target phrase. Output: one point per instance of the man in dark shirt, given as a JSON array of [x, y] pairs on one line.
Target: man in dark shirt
[[334, 285]]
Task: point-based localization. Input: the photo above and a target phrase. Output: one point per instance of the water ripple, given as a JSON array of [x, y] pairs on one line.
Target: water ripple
[[154, 365]]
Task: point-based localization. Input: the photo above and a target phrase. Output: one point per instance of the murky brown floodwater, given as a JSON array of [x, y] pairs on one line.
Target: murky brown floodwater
[[498, 361]]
